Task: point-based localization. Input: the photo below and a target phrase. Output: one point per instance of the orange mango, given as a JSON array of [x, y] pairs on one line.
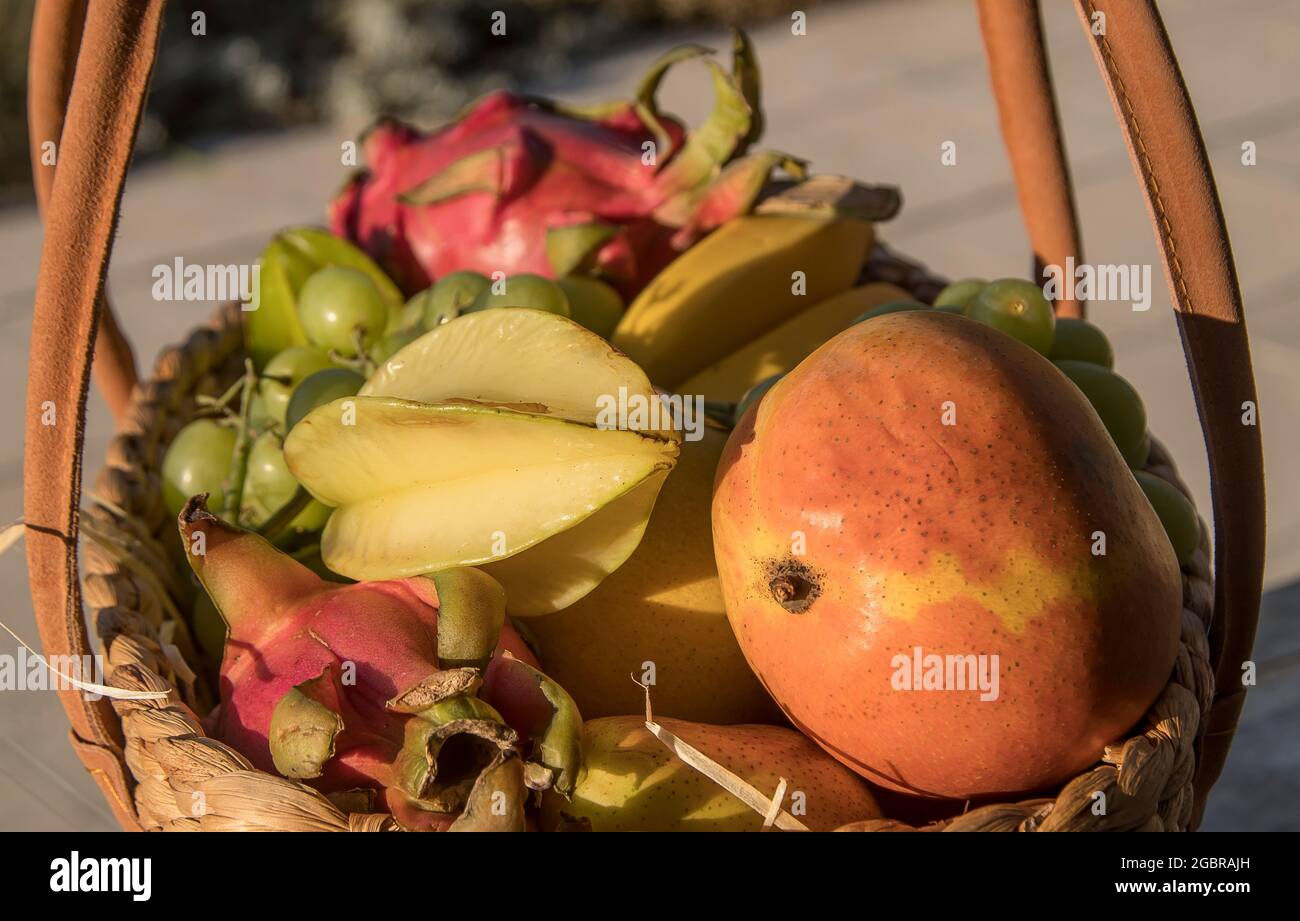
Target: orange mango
[[938, 563]]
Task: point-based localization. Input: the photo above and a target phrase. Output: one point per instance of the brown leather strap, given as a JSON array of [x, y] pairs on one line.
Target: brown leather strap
[[1150, 99], [1022, 84], [1168, 153], [51, 62], [1164, 141], [112, 76]]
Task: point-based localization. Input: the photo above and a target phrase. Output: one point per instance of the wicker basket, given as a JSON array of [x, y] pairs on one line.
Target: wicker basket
[[150, 755]]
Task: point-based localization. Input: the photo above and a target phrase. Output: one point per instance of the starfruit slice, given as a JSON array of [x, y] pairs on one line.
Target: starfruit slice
[[528, 360], [423, 487]]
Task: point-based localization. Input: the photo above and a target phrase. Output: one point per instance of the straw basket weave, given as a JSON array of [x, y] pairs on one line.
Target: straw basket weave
[[150, 755]]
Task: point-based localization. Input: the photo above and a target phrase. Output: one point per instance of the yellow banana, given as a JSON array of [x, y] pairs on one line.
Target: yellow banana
[[780, 349], [736, 284]]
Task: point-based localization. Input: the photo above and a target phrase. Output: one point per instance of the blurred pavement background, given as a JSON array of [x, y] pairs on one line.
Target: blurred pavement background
[[873, 89]]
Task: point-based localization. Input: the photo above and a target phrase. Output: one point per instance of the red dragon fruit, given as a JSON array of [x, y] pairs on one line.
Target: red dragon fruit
[[519, 184], [394, 687]]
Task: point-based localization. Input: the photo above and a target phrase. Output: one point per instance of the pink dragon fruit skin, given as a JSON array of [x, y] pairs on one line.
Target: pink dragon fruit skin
[[388, 630], [363, 644], [538, 170], [484, 192]]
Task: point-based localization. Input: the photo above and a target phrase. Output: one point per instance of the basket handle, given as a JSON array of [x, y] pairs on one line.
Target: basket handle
[[1168, 154], [113, 67], [1031, 129], [51, 61], [114, 64]]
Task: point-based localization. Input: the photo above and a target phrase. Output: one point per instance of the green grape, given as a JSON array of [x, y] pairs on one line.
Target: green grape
[[393, 343], [335, 303], [209, 628], [310, 557], [282, 375], [1079, 340], [259, 415], [1142, 453], [891, 307], [268, 485], [594, 304], [1175, 513], [451, 296], [524, 291], [951, 308], [1017, 308], [753, 395], [959, 293], [321, 388], [287, 263], [197, 460], [411, 316], [1118, 405]]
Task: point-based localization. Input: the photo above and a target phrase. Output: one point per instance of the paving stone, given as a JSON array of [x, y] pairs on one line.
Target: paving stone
[[1260, 786]]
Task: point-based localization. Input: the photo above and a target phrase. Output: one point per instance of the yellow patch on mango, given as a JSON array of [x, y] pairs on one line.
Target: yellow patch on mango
[[1025, 588]]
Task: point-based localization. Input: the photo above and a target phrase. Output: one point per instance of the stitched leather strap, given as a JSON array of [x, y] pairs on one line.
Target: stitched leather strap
[[1168, 154], [1022, 85], [1164, 141], [112, 76], [51, 62]]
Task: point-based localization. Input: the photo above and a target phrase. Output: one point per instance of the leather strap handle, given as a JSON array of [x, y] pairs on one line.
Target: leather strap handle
[[111, 78], [1164, 142], [1168, 153], [1022, 85], [112, 74], [51, 62]]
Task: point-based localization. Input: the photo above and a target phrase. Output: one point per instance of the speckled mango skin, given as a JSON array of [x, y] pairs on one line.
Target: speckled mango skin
[[972, 538], [664, 605], [632, 782]]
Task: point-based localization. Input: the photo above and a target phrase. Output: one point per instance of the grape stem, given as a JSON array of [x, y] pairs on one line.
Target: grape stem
[[274, 526], [361, 362], [225, 398], [243, 444], [221, 404]]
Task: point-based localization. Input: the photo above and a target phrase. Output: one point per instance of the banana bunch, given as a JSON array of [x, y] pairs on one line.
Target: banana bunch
[[760, 293], [781, 348]]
